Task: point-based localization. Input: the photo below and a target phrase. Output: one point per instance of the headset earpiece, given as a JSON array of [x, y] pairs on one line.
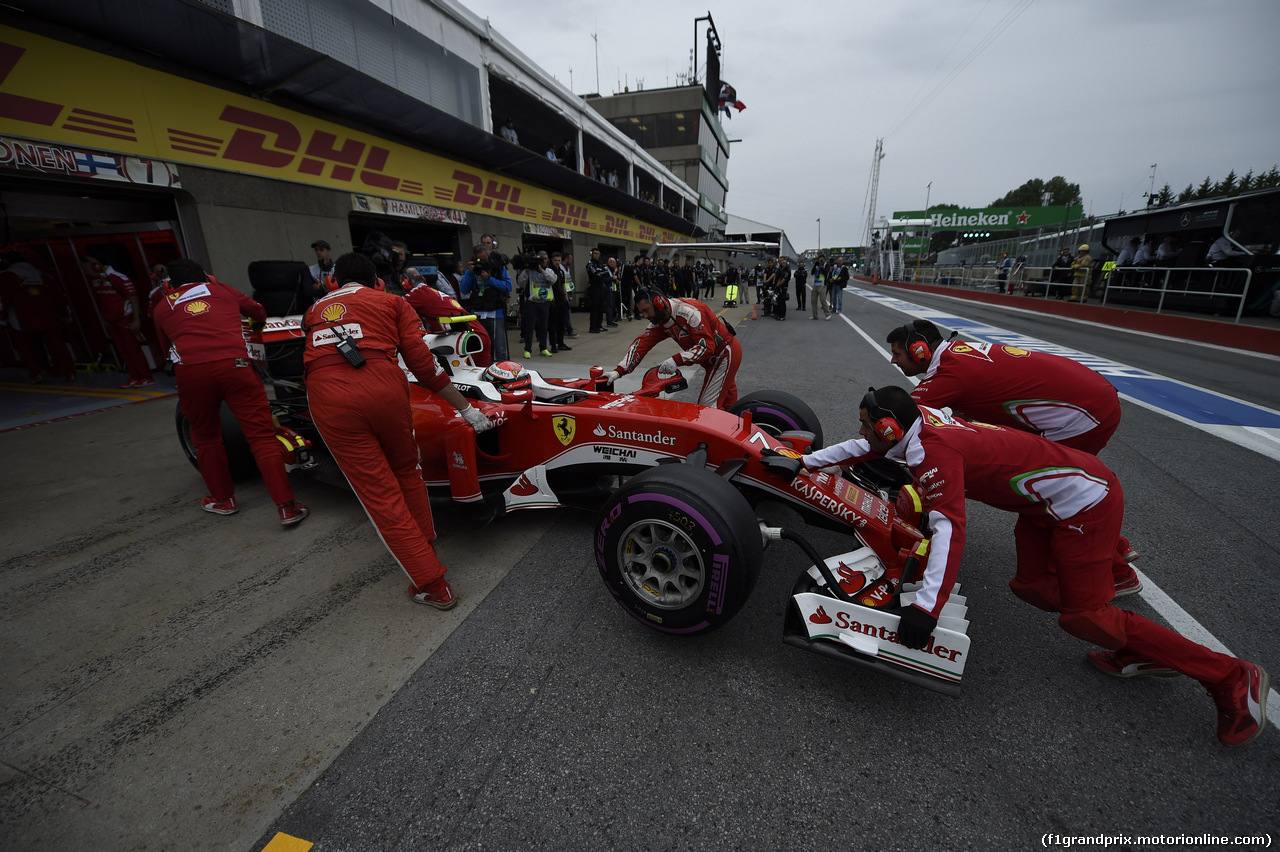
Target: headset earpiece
[[885, 425], [918, 349]]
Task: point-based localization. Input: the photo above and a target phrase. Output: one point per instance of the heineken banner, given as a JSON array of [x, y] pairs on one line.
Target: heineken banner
[[997, 218]]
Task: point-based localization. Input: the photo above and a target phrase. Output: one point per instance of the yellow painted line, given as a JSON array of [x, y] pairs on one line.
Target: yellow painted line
[[70, 391], [287, 843]]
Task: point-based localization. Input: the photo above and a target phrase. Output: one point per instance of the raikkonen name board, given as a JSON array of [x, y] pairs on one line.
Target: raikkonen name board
[[993, 218], [57, 92]]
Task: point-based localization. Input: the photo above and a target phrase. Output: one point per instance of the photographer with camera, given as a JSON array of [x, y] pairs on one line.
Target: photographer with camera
[[484, 289]]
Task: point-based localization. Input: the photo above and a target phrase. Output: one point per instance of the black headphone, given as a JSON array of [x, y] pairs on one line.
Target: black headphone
[[659, 301], [883, 421], [916, 346]]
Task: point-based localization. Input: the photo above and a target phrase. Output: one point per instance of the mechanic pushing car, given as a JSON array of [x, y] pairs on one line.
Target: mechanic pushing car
[[359, 398], [198, 323], [1047, 395], [1069, 506], [705, 339]]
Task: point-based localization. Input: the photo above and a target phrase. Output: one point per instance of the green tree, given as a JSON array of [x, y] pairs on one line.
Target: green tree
[[1164, 196], [1032, 193], [1246, 182], [1228, 185], [1187, 194], [1205, 189]]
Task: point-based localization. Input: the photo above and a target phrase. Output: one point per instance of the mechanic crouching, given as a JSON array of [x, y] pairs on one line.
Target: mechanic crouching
[[198, 323], [359, 399], [1069, 507], [704, 338]]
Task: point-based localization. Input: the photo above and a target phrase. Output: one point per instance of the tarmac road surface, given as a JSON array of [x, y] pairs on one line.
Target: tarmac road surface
[[178, 680]]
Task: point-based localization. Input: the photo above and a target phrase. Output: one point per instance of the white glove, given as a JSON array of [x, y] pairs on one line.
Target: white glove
[[668, 367], [612, 376], [476, 418]]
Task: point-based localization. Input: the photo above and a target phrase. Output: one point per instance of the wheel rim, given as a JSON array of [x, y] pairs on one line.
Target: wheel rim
[[661, 564]]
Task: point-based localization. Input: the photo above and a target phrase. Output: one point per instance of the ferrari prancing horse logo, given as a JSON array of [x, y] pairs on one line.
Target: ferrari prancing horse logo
[[565, 426]]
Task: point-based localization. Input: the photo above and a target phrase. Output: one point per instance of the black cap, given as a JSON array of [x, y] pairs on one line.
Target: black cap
[[320, 244]]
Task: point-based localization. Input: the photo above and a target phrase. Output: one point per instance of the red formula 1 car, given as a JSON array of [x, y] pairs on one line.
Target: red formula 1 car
[[677, 541]]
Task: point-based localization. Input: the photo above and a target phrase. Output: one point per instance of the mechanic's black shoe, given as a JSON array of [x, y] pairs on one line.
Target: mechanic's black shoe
[[596, 330], [219, 507], [1129, 585], [439, 594], [564, 348], [292, 513], [1242, 704], [1124, 664]]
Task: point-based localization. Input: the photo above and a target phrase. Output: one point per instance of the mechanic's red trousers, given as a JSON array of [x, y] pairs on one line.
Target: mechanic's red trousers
[[1066, 567], [720, 387], [59, 357], [202, 388], [130, 350], [1093, 442], [366, 422]]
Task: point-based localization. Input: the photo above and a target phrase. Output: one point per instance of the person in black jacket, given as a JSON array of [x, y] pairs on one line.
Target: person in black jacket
[[802, 279]]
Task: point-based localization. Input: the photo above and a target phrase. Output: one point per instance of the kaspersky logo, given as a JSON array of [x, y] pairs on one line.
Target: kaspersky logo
[[334, 312], [196, 307]]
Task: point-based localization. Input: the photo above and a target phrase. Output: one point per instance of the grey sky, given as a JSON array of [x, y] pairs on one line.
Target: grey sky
[[1093, 90]]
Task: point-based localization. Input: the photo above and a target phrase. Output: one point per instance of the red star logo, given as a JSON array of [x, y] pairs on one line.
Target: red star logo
[[1023, 217]]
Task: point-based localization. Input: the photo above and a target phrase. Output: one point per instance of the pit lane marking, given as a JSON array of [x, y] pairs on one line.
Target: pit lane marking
[[1177, 618], [1243, 423], [287, 843]]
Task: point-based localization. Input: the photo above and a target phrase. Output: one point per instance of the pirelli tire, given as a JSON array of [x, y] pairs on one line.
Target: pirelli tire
[[240, 459], [777, 411], [679, 548]]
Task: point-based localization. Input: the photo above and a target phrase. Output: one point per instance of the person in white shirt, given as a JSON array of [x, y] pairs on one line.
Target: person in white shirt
[[508, 132]]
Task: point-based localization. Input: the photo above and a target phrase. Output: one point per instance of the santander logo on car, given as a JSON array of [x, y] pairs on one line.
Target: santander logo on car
[[660, 438]]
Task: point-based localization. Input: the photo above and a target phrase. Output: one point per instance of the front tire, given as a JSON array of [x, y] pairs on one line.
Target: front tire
[[240, 460], [777, 411], [679, 548]]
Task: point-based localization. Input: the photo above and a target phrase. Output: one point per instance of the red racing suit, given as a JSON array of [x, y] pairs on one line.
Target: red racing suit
[[1069, 507], [1037, 392], [365, 417], [116, 299], [431, 304], [706, 341], [199, 325], [33, 304]]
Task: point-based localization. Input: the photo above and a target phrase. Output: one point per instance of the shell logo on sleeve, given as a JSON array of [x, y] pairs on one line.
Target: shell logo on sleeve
[[334, 312], [1015, 351], [197, 307]]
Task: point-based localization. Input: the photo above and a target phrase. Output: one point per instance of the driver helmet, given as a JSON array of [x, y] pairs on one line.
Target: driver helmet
[[507, 376]]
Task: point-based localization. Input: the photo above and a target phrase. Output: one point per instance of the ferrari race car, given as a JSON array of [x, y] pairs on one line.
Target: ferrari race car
[[677, 539]]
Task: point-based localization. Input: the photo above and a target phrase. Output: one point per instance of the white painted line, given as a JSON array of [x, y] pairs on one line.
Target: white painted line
[[1249, 352]]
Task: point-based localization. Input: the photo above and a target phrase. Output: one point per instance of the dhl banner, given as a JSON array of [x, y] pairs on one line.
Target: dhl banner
[[57, 92]]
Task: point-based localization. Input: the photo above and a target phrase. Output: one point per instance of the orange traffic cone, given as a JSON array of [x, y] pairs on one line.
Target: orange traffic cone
[[753, 313]]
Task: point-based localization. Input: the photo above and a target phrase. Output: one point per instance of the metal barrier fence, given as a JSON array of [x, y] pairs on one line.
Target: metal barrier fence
[[1183, 288]]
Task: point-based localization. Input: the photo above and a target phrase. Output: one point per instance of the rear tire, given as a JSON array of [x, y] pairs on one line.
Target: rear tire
[[777, 411], [679, 548], [240, 460]]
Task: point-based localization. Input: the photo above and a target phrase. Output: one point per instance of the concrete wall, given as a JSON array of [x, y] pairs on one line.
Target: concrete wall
[[233, 219]]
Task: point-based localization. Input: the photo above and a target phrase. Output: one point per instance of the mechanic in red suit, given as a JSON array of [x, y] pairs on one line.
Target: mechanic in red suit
[[1069, 507], [33, 305], [1048, 395], [704, 338], [198, 322], [122, 312], [364, 416], [431, 304]]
